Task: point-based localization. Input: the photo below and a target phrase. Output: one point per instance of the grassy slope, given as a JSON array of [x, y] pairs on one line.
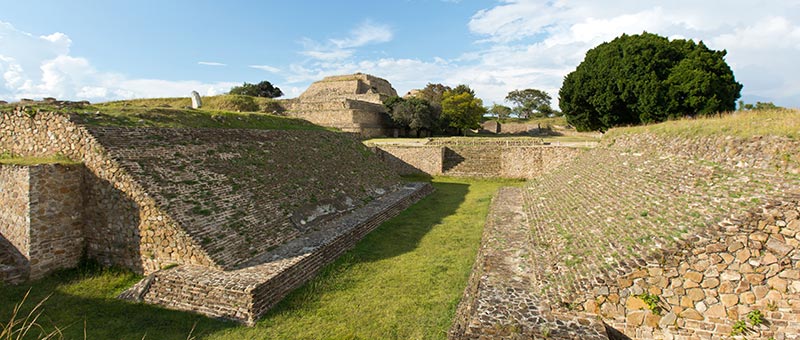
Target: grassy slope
[[785, 123], [7, 159], [172, 113], [402, 281]]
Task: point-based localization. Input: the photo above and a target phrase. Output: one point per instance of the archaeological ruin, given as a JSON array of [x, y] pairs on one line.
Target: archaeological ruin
[[352, 103], [637, 236]]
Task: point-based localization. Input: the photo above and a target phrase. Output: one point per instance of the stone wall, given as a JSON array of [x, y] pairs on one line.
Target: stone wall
[[15, 206], [712, 281], [41, 216], [412, 160], [480, 160], [246, 294], [56, 218], [159, 197], [762, 152], [123, 224]]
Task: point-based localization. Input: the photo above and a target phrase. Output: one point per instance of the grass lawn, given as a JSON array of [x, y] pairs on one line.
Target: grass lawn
[[403, 281], [745, 124]]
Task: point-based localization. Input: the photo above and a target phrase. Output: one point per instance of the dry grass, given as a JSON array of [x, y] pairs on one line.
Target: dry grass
[[24, 326], [781, 122]]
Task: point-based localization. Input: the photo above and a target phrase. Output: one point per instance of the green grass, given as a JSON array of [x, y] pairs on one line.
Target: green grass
[[171, 113], [403, 281], [784, 123], [7, 159]]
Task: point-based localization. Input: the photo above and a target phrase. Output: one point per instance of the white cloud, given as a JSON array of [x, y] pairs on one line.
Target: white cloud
[[367, 33], [211, 63], [35, 67], [266, 68]]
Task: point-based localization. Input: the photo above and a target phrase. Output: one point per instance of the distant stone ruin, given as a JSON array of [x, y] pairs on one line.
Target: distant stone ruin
[[352, 103]]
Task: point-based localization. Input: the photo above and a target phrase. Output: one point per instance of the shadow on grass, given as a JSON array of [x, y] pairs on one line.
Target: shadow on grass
[[88, 294], [397, 236]]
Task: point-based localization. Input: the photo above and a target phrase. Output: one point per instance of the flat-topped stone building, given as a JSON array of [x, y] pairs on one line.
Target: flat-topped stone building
[[352, 103]]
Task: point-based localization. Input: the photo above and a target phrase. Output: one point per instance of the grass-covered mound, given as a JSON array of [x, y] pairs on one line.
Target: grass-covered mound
[[239, 112], [743, 124]]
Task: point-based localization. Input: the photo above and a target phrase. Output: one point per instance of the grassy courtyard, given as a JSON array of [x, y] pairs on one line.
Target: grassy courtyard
[[403, 281]]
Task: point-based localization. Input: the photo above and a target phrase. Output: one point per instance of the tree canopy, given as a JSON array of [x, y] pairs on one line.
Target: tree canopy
[[647, 78], [500, 111], [530, 102], [462, 109], [262, 89], [414, 113]]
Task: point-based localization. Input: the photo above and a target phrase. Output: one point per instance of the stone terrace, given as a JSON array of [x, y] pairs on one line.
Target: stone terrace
[[601, 219]]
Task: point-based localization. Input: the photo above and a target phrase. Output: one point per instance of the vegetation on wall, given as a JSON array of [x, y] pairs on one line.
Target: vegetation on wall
[[647, 78]]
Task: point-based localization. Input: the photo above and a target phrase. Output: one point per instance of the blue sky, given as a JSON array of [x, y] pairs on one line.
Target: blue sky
[[105, 50]]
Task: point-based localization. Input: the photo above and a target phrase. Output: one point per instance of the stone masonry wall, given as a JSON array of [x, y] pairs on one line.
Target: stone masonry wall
[[41, 216], [713, 281], [56, 218], [764, 152], [124, 226], [485, 160], [412, 160], [15, 206]]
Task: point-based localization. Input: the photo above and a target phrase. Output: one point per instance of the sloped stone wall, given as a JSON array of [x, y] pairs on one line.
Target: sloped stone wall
[[713, 281], [123, 224], [761, 152]]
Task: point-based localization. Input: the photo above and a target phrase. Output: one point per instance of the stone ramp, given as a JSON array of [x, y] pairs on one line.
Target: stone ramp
[[501, 302], [246, 294]]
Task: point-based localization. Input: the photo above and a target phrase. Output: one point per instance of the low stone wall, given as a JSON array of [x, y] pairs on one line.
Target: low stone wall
[[412, 160], [41, 216], [481, 160], [246, 294]]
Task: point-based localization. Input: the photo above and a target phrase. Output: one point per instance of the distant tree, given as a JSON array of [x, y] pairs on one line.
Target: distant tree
[[412, 113], [262, 89], [646, 78], [758, 106], [434, 93], [461, 109], [500, 111], [530, 102]]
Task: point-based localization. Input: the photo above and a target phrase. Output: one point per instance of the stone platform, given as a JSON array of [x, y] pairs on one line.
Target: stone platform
[[247, 293]]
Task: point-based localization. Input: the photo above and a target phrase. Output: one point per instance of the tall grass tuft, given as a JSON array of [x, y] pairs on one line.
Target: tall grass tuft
[[18, 327]]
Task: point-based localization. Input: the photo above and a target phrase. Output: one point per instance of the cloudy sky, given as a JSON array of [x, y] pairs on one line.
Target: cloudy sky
[[105, 50]]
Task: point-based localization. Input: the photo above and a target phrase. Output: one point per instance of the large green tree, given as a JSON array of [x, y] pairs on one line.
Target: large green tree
[[500, 111], [413, 113], [530, 102], [462, 109], [647, 78], [262, 89]]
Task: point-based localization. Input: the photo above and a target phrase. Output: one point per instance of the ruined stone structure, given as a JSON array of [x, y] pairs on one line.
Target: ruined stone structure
[[645, 237], [492, 158], [260, 211], [352, 103], [41, 220]]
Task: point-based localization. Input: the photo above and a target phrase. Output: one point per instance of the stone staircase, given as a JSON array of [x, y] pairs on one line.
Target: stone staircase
[[12, 264], [472, 161]]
